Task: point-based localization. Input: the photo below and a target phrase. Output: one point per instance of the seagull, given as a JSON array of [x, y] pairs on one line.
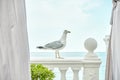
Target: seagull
[[57, 45]]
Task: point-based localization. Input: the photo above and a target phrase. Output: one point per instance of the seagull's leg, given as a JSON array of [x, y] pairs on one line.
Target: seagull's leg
[[56, 54], [59, 56]]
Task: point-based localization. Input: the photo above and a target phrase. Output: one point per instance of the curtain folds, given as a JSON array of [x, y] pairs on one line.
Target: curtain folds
[[14, 51], [113, 56]]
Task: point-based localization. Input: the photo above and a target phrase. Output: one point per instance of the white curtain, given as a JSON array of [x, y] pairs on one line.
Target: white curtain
[[113, 57], [14, 52]]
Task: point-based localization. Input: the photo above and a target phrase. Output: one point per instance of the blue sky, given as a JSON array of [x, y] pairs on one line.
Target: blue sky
[[47, 19]]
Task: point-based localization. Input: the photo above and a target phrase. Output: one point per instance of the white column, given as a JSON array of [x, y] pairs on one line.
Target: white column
[[106, 40], [63, 73], [92, 62], [76, 73], [91, 71]]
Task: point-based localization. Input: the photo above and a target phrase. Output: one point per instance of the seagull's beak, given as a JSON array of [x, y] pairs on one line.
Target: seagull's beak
[[68, 31]]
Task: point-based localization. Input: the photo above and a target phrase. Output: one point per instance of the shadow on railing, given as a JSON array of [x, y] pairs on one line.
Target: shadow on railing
[[90, 63]]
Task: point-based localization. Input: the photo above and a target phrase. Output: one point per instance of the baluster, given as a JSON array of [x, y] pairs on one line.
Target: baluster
[[75, 73], [91, 68], [106, 39], [63, 73]]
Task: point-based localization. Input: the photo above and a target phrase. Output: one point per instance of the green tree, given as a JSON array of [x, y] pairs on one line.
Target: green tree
[[41, 72]]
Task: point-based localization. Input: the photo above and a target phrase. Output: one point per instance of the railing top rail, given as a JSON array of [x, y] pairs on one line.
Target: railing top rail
[[67, 61]]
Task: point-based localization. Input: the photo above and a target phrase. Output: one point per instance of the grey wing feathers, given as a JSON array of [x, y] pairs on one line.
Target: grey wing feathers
[[54, 45]]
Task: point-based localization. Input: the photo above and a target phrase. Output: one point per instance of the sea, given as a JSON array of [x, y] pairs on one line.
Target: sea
[[69, 74]]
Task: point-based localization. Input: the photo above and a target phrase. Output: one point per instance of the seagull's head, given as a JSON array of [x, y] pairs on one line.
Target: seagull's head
[[66, 31]]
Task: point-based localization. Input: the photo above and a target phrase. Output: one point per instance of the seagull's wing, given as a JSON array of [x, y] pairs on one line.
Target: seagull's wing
[[54, 45]]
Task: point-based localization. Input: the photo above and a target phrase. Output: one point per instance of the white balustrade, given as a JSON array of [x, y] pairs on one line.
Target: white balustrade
[[76, 73], [106, 39], [63, 73], [90, 63]]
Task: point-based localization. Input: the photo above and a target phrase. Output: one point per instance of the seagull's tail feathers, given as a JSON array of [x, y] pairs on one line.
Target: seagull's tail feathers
[[41, 47]]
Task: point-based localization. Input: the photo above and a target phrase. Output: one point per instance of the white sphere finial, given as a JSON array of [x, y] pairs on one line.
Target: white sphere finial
[[90, 44]]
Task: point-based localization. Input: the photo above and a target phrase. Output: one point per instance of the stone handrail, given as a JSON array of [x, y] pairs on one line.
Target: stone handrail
[[90, 63]]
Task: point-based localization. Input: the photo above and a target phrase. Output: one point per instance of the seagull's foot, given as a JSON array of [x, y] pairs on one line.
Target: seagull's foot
[[60, 58]]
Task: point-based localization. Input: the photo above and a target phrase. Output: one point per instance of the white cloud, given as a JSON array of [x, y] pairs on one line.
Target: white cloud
[[56, 13], [93, 4]]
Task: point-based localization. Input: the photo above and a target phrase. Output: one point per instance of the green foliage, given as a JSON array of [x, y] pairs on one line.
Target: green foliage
[[41, 72]]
